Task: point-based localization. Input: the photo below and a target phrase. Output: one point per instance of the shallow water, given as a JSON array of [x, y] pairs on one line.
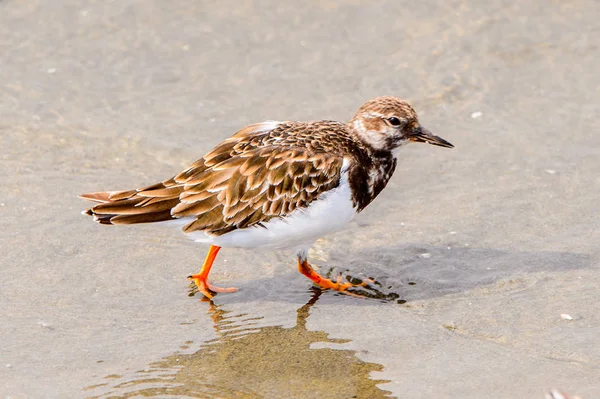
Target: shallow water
[[248, 361], [482, 248]]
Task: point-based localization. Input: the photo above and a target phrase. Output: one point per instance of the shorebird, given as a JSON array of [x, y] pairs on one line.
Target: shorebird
[[276, 185]]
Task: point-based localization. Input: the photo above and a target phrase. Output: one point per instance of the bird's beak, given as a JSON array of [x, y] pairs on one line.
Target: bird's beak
[[422, 135]]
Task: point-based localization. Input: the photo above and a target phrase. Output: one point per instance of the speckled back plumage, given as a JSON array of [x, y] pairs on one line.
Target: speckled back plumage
[[259, 174]]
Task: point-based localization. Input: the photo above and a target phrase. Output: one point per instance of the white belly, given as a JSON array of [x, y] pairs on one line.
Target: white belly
[[330, 213]]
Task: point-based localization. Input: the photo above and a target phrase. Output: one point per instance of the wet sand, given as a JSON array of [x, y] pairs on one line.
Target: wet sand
[[491, 250]]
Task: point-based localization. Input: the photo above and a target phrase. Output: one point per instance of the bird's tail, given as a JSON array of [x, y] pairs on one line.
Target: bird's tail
[[144, 205]]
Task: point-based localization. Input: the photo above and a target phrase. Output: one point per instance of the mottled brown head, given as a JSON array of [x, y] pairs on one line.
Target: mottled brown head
[[386, 123]]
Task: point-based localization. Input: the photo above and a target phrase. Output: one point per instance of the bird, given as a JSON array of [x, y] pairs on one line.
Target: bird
[[276, 185]]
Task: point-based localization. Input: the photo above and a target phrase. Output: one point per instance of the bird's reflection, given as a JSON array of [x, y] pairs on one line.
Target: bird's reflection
[[246, 362]]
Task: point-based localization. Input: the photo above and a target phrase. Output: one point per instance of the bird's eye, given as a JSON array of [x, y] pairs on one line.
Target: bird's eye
[[394, 121]]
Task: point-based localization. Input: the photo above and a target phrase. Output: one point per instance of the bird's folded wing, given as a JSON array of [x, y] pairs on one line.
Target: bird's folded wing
[[233, 188], [245, 181]]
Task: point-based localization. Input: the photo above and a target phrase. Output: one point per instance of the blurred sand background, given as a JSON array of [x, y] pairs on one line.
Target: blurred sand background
[[488, 243]]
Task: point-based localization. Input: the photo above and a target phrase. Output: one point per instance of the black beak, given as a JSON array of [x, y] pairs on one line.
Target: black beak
[[422, 135]]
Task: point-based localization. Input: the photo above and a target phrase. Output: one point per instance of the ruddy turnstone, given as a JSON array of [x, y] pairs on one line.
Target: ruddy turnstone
[[276, 185]]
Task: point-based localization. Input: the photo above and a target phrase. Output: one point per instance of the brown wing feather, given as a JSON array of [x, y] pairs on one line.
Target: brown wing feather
[[245, 201], [260, 173]]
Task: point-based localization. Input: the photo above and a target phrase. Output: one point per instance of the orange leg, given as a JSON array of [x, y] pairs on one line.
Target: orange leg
[[305, 268], [201, 279]]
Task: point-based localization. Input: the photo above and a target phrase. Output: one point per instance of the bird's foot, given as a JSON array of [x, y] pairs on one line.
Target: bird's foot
[[362, 288], [359, 290], [365, 287], [207, 289], [338, 285], [326, 283]]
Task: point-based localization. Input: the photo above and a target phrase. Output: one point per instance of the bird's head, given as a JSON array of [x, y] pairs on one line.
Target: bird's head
[[386, 123]]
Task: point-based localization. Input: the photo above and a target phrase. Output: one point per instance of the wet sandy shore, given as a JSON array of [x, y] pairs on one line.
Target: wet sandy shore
[[492, 249]]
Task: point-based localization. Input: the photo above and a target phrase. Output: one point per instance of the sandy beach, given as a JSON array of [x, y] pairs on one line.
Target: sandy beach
[[489, 253]]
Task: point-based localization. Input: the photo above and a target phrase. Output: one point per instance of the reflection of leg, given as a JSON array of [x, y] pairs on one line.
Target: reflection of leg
[[201, 279], [303, 312], [305, 268]]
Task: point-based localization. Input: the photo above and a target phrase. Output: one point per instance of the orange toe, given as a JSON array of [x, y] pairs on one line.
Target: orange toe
[[207, 289], [328, 284], [306, 269]]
